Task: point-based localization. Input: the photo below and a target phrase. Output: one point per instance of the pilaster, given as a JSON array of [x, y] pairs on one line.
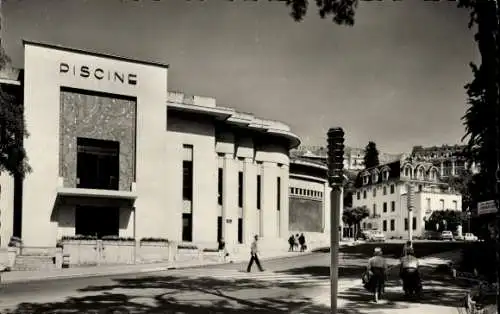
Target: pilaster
[[249, 200], [284, 200], [230, 200], [268, 209]]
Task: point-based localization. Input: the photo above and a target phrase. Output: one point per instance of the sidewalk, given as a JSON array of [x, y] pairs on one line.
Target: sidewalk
[[344, 285], [107, 270]]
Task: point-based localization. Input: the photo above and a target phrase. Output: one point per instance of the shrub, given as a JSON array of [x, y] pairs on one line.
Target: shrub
[[187, 247], [154, 240]]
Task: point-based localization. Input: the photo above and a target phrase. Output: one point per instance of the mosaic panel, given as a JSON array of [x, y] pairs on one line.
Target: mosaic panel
[[98, 117]]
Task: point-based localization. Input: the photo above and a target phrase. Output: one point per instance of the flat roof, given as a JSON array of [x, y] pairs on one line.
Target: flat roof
[[93, 53]]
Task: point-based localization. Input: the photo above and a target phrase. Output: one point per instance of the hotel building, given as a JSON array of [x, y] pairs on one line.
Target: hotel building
[[114, 154], [383, 190]]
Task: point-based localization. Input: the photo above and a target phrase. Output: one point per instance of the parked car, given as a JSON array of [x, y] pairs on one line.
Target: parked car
[[377, 236], [470, 237], [447, 235]]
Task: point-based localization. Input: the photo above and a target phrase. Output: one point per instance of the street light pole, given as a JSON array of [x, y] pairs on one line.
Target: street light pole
[[410, 200], [335, 138]]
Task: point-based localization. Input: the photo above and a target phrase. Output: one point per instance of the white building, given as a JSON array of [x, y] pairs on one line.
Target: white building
[[383, 191], [114, 154]]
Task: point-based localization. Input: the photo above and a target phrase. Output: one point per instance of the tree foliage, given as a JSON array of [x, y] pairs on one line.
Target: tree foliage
[[354, 216], [462, 184], [13, 157], [371, 155], [340, 11], [480, 118], [453, 219]]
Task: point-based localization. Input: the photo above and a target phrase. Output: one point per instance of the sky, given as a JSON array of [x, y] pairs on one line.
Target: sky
[[396, 77]]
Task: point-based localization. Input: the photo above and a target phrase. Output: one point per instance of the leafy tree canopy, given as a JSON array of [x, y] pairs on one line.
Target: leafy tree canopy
[[13, 157], [371, 155], [453, 219]]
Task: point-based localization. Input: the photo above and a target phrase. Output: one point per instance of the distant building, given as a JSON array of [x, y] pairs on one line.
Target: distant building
[[449, 159], [383, 189], [353, 157]]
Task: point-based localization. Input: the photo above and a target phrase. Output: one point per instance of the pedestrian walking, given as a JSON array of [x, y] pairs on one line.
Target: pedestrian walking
[[291, 241], [377, 272], [302, 242], [254, 252], [223, 252]]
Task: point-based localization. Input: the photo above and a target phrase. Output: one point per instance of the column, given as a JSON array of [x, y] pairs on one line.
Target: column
[[285, 178], [249, 200], [453, 165], [441, 169], [268, 208], [230, 200]]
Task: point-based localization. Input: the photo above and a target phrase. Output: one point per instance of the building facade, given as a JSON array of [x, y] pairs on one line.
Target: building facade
[[383, 190], [449, 159], [309, 200], [114, 154]]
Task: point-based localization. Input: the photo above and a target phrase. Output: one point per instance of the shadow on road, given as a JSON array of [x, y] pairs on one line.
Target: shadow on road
[[168, 294], [350, 271]]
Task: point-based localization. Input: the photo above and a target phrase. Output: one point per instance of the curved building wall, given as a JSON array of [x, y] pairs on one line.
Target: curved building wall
[[183, 169]]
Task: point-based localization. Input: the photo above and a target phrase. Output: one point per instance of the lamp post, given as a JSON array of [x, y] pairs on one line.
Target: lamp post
[[335, 138], [410, 200]]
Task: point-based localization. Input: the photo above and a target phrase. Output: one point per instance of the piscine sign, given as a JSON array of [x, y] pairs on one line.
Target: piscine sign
[[97, 73]]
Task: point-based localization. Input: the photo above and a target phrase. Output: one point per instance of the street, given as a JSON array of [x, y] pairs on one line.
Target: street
[[290, 285]]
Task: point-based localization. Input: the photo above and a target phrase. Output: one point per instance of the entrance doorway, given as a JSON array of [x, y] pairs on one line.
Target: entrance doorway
[[97, 221], [98, 164]]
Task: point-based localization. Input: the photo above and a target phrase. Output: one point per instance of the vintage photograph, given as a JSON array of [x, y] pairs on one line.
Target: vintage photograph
[[249, 156]]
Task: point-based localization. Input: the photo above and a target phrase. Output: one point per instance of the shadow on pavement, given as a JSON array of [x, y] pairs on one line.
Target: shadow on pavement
[[348, 271], [438, 293], [169, 294]]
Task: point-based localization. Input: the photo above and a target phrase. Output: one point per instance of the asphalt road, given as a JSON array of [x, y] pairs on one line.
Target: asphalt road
[[285, 285], [290, 285]]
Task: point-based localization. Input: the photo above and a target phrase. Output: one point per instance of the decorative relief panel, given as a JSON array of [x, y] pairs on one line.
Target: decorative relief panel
[[98, 117]]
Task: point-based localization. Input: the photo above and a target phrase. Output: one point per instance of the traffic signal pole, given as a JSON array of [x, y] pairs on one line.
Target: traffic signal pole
[[335, 180]]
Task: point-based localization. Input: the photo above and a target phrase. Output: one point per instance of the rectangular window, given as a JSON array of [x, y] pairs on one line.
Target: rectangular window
[[393, 206], [187, 180], [392, 188], [428, 203], [455, 205], [364, 194], [414, 223], [278, 193], [441, 201], [358, 195], [220, 182], [385, 225], [385, 190], [374, 192], [406, 224], [385, 207], [187, 191], [374, 209], [240, 189], [259, 191], [219, 228], [393, 225], [187, 227], [240, 230]]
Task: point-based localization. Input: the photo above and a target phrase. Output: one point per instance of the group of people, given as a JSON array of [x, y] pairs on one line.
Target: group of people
[[376, 273], [297, 240]]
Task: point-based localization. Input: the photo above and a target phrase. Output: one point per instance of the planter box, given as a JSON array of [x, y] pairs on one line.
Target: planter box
[[188, 254], [94, 252], [152, 251], [81, 252], [117, 252]]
